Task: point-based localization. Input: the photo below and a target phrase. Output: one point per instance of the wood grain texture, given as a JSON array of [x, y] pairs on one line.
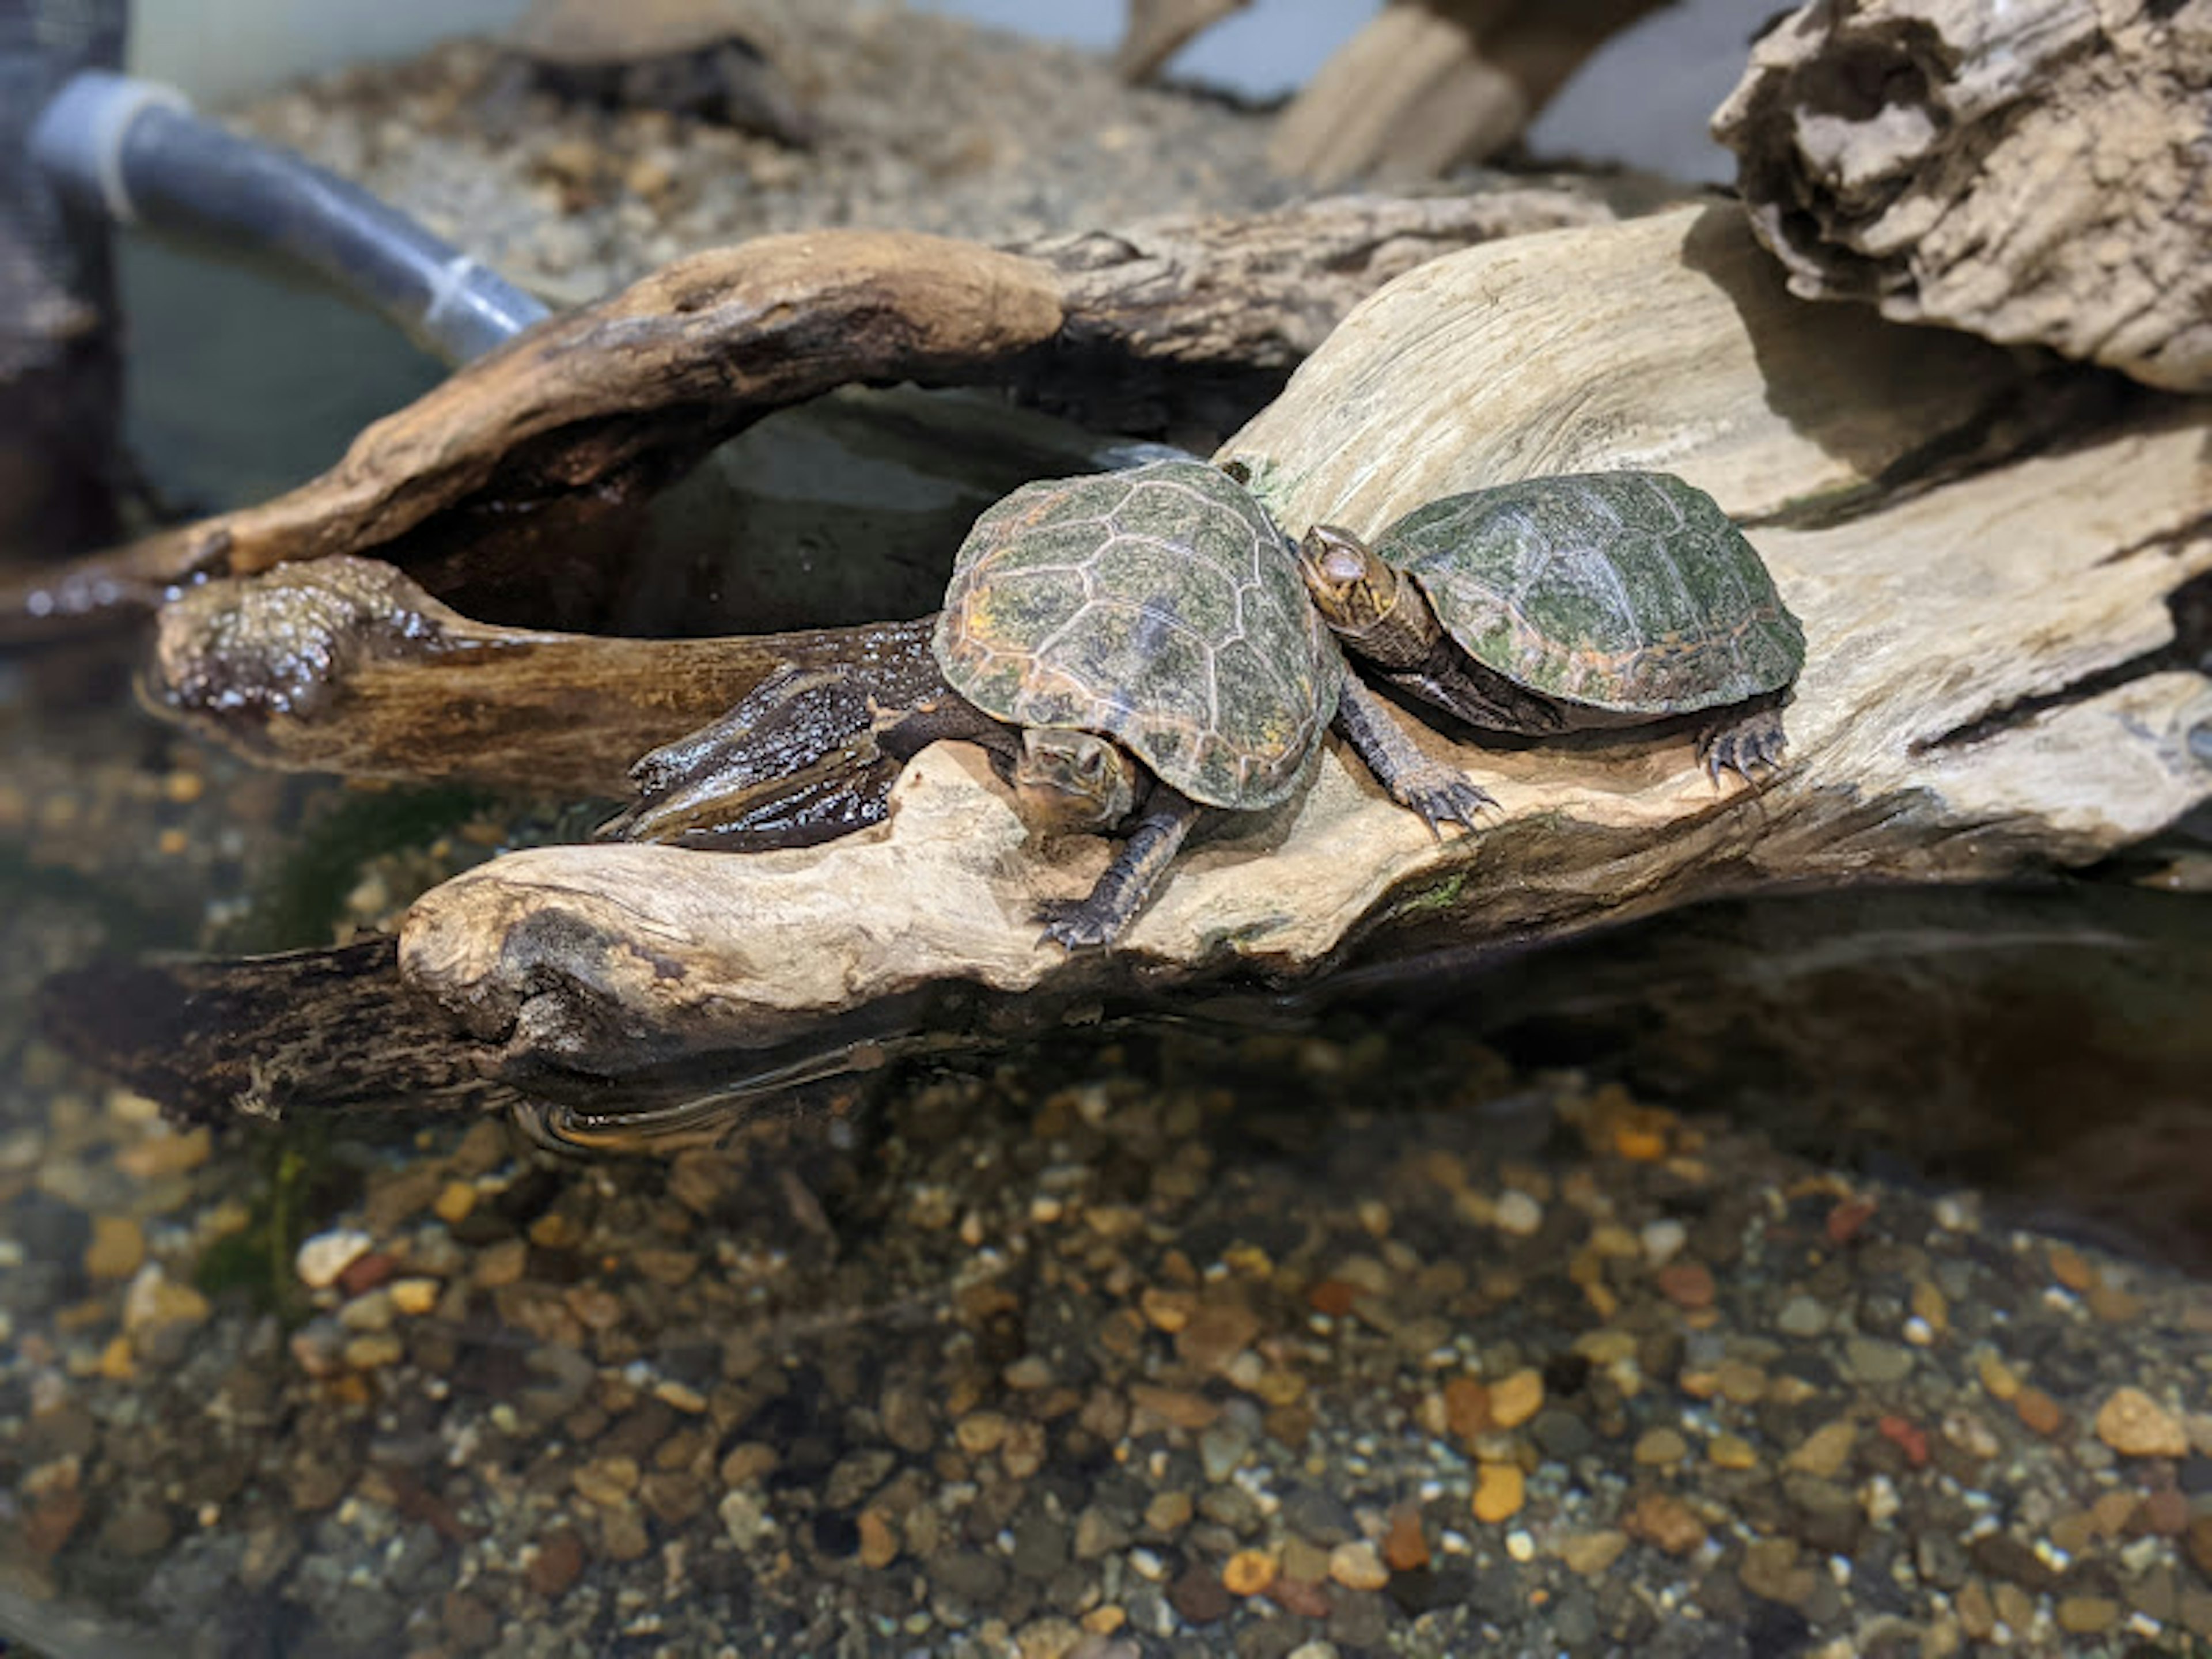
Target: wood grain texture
[[2030, 172], [343, 665]]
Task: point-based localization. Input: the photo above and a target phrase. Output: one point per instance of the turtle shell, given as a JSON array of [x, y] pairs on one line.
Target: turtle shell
[[1159, 606], [1630, 591]]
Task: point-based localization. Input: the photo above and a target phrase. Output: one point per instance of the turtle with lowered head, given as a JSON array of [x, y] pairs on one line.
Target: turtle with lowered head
[[1135, 650]]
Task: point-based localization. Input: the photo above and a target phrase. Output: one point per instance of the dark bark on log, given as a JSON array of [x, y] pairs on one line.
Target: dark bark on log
[[343, 665], [217, 1041]]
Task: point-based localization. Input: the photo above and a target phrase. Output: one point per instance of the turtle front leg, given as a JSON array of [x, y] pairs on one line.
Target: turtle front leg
[[1438, 792], [1753, 739], [1151, 845]]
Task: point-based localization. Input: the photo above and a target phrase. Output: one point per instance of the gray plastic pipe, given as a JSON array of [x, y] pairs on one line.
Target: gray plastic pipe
[[134, 151]]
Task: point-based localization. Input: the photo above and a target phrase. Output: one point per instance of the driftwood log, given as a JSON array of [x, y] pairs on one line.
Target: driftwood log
[[2034, 172], [489, 484], [1993, 557], [1428, 84], [219, 1041], [343, 665], [1155, 30], [1994, 684]]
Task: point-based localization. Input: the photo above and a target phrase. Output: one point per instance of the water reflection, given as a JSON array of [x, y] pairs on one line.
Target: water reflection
[[2041, 1044]]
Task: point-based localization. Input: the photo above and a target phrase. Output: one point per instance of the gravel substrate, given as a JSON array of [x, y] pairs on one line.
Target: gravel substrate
[[928, 122], [1172, 1345]]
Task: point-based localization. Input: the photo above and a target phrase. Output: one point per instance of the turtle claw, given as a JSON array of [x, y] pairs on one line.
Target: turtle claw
[[1443, 796], [1747, 747], [1074, 925]]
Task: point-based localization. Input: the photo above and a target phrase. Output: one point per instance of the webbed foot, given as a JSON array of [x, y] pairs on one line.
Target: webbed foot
[[809, 753], [791, 701], [1754, 742]]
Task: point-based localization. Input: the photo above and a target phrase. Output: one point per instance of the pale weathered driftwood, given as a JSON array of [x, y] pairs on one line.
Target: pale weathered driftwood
[[2034, 172], [1429, 84], [491, 475], [1156, 30], [1986, 692]]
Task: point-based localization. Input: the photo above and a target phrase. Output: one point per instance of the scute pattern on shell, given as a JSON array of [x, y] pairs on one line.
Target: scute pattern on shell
[[1159, 606], [1624, 591]]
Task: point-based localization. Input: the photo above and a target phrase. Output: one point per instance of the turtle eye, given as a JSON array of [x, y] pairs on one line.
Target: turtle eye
[[1345, 564]]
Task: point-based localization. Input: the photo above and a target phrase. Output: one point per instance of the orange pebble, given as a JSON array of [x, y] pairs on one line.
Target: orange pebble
[[1639, 1144], [1248, 1572], [1499, 1491], [1404, 1547], [2039, 1411]]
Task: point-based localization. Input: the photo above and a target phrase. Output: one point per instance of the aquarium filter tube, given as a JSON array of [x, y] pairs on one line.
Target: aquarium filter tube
[[133, 151]]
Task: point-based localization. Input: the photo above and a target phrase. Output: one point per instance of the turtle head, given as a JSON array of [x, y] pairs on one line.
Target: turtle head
[[1351, 588], [1071, 782]]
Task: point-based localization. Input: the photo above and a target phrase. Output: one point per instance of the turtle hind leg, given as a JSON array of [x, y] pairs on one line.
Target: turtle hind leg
[[800, 730], [1151, 845], [1438, 792], [1743, 744]]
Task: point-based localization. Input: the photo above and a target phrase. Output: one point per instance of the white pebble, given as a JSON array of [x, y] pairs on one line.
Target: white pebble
[[325, 1256], [1662, 1240], [1958, 1212], [1519, 1214], [744, 1518], [1879, 1498]]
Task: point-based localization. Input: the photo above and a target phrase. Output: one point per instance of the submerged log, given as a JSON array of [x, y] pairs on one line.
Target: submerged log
[[1994, 683], [2029, 173], [501, 467], [337, 1026]]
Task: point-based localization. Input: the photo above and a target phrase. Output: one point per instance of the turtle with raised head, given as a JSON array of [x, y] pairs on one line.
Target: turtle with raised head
[[1572, 603], [1136, 651]]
